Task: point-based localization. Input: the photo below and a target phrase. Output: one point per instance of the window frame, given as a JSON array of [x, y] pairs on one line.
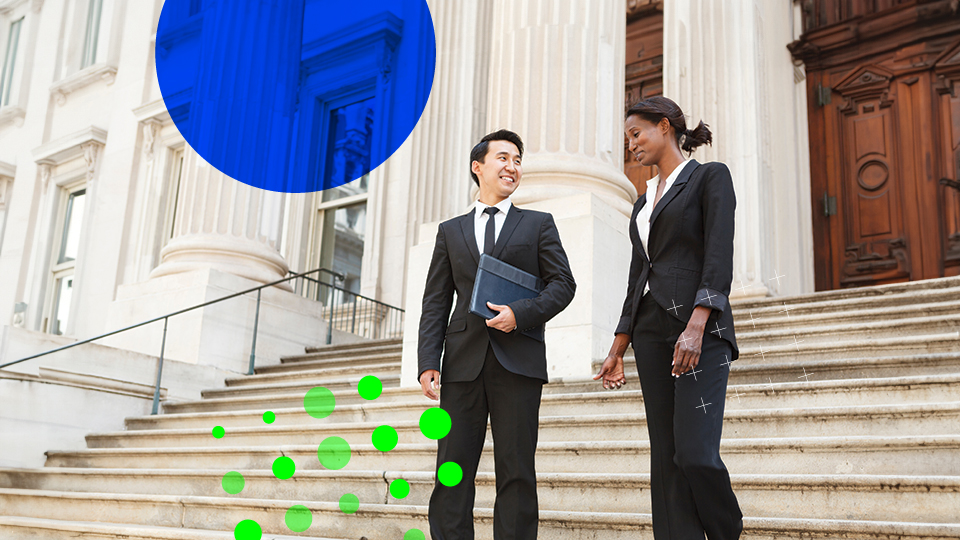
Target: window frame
[[59, 270]]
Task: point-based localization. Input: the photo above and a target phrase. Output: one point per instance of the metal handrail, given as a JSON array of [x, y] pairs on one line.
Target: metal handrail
[[156, 395]]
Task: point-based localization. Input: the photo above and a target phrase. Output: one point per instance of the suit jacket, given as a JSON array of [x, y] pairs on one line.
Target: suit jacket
[[528, 240], [688, 259]]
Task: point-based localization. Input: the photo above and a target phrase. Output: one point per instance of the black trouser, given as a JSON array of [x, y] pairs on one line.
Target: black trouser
[[513, 403], [689, 484]]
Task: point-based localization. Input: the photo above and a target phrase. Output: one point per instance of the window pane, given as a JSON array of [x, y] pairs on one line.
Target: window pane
[[92, 34], [71, 227], [342, 248], [61, 307], [348, 146], [9, 62]]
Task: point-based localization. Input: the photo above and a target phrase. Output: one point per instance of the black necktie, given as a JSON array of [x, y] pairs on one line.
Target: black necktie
[[489, 238]]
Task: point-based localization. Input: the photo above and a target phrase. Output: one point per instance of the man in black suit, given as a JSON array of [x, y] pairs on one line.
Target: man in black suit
[[496, 366]]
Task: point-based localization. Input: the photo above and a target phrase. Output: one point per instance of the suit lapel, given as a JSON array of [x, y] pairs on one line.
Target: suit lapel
[[509, 225], [470, 235], [634, 232], [676, 188]]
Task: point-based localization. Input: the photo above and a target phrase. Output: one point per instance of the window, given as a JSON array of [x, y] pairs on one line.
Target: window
[[94, 11], [65, 259], [9, 62], [343, 209]]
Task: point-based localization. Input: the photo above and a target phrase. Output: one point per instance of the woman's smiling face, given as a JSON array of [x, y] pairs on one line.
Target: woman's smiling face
[[646, 141]]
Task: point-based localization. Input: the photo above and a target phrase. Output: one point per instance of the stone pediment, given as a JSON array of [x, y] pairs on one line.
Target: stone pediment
[[864, 81]]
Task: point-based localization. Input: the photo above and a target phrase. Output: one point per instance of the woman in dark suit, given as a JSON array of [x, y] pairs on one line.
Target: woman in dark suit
[[677, 316]]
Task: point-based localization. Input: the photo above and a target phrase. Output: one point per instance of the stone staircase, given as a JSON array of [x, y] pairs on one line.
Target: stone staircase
[[842, 421]]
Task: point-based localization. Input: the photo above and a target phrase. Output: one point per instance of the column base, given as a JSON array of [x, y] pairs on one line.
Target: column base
[[224, 253]]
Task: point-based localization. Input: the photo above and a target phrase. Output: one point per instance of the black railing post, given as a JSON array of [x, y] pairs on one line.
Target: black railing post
[[156, 389], [330, 316], [256, 322], [353, 317]]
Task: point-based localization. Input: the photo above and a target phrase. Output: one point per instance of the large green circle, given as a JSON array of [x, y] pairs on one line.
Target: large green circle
[[269, 417], [435, 423], [298, 518], [450, 474], [399, 488], [414, 534], [349, 503], [248, 529], [334, 453], [385, 438], [319, 402], [283, 467], [232, 482], [218, 432], [370, 387]]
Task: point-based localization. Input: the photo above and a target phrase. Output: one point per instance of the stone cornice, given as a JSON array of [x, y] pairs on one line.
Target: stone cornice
[[7, 170], [69, 147], [154, 110], [84, 77], [12, 113]]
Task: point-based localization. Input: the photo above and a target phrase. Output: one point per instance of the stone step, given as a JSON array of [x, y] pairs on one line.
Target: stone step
[[861, 497], [385, 369], [559, 396], [358, 362], [24, 528], [891, 455], [810, 315], [293, 425], [348, 348], [357, 353], [946, 286], [334, 383], [755, 369], [817, 332], [383, 521]]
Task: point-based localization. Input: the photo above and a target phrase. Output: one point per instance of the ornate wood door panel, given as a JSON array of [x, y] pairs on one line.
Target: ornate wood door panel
[[644, 74], [947, 86]]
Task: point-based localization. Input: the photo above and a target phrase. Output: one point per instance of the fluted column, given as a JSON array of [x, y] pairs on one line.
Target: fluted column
[[224, 225], [557, 79]]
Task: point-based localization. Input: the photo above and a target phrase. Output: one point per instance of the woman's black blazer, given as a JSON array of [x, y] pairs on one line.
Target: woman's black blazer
[[689, 257]]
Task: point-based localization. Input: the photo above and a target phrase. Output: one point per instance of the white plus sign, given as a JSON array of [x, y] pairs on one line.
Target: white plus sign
[[770, 383], [717, 331], [785, 309], [805, 376], [684, 339], [736, 394], [694, 373], [742, 287], [761, 353], [703, 405], [777, 277], [797, 343], [675, 307], [727, 363], [710, 297], [752, 320]]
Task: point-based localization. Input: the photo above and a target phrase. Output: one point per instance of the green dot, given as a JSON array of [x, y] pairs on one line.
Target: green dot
[[319, 402], [269, 417], [232, 482], [385, 438], [435, 423], [370, 387], [248, 529], [218, 432], [399, 488], [283, 467], [334, 453], [450, 474], [414, 534], [298, 518], [349, 503]]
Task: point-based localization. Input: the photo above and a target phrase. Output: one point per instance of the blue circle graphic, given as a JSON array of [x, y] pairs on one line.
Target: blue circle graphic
[[299, 95]]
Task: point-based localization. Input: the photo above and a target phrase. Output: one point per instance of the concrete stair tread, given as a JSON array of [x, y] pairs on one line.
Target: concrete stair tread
[[911, 289], [384, 369], [358, 353], [358, 345], [748, 335], [551, 522], [339, 382], [365, 362], [810, 314], [899, 342], [124, 530]]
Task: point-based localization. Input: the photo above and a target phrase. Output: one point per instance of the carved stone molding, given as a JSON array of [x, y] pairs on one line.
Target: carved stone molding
[[85, 77], [44, 172], [7, 173], [86, 143], [91, 156], [150, 129], [12, 114]]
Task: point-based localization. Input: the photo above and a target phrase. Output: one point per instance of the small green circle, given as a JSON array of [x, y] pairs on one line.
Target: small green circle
[[349, 503], [334, 453], [298, 518], [269, 417], [283, 467], [435, 423], [248, 529], [414, 534], [399, 488], [232, 482], [385, 438], [319, 402], [450, 474], [218, 432], [370, 387]]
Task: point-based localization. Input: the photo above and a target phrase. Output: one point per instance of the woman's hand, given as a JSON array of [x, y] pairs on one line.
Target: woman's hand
[[612, 369], [686, 352]]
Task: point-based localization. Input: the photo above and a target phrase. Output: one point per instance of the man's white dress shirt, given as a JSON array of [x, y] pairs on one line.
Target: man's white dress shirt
[[480, 221]]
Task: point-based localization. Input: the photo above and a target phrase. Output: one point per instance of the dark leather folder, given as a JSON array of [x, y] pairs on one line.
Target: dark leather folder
[[500, 283]]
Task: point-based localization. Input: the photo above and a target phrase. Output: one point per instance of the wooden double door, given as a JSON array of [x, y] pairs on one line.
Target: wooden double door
[[884, 129]]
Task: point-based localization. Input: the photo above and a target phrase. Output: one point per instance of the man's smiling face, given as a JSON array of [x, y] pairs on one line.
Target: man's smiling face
[[499, 173]]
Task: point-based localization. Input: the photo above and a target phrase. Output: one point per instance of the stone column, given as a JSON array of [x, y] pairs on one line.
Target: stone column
[[727, 64]]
